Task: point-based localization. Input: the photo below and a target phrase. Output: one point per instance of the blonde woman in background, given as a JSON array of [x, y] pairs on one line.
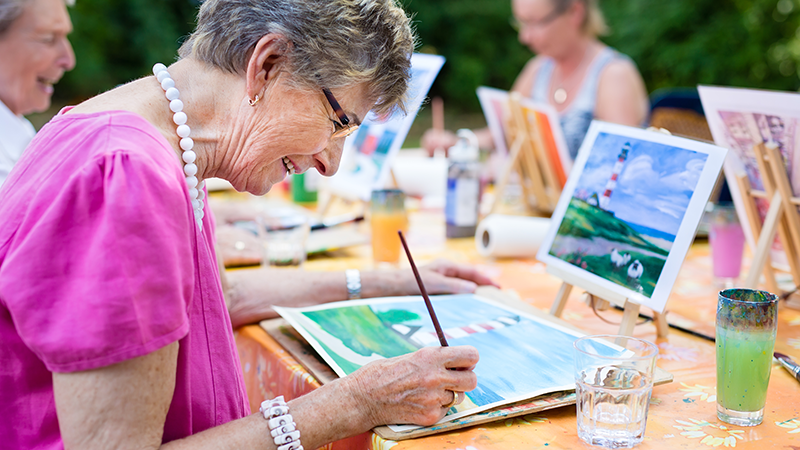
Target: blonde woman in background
[[573, 71]]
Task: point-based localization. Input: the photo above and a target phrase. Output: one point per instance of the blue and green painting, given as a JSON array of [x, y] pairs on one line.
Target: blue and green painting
[[626, 210], [521, 356]]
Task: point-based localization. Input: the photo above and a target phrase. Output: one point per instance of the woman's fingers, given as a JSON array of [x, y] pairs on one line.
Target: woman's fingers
[[414, 388], [461, 357]]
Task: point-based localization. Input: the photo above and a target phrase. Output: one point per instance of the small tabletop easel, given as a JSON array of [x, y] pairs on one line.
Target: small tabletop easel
[[527, 156], [782, 217], [602, 299]]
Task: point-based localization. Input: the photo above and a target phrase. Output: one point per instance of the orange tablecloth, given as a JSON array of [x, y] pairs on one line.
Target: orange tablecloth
[[682, 413]]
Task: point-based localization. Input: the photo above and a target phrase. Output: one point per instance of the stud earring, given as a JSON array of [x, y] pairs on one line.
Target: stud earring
[[253, 101]]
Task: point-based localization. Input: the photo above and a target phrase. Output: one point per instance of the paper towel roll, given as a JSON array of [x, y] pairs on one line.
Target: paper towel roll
[[510, 236]]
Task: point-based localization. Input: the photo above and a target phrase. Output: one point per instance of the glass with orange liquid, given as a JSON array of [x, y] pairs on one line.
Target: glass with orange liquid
[[387, 216]]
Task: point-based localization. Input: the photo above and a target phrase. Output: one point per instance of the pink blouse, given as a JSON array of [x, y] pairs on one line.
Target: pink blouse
[[101, 261]]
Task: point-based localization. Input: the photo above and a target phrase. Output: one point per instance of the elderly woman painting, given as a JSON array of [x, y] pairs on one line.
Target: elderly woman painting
[[114, 327]]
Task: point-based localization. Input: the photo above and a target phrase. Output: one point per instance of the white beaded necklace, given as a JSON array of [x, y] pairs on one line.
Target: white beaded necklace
[[196, 193]]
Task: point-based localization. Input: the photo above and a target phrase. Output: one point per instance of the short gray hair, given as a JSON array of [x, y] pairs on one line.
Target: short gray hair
[[332, 43], [10, 10]]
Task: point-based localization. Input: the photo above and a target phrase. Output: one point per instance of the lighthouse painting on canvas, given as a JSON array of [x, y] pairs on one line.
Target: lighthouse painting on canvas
[[626, 204]]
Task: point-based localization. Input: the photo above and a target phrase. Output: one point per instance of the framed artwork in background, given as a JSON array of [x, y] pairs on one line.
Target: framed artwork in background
[[740, 119], [629, 213]]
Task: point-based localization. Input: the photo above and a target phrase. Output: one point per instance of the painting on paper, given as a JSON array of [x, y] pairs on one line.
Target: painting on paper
[[542, 120], [630, 210], [369, 151], [514, 363], [740, 119]]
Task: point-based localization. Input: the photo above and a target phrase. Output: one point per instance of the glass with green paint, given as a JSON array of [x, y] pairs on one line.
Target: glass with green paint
[[746, 327]]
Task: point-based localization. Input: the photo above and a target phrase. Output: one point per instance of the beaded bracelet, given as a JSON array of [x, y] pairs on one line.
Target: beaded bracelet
[[281, 424]]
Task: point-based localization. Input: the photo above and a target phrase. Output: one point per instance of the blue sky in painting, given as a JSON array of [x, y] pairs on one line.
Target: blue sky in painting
[[522, 358], [656, 183]]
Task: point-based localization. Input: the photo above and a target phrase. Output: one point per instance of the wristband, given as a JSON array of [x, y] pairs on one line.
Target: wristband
[[353, 277], [282, 428]]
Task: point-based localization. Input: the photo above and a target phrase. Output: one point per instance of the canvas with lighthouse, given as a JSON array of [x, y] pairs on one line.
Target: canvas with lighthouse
[[629, 212]]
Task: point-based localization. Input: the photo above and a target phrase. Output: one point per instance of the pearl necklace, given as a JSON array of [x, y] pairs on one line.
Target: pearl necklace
[[196, 192]]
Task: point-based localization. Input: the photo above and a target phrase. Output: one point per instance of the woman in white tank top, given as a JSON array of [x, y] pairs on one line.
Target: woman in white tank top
[[573, 71]]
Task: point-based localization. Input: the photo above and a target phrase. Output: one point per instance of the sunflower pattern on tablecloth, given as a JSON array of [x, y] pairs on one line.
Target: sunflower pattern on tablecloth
[[699, 391], [792, 424], [710, 434]]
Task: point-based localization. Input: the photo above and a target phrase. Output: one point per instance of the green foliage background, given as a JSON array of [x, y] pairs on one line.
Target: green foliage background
[[749, 43]]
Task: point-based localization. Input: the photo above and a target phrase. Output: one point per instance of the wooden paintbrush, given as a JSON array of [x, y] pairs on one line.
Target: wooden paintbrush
[[424, 293]]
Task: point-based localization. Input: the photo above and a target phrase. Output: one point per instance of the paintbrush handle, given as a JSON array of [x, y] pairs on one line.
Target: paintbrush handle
[[793, 368], [428, 304]]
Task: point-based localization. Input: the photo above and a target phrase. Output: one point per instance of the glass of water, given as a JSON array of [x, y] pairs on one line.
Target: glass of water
[[613, 383]]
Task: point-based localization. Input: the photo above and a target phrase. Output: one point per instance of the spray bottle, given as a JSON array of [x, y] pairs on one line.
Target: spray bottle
[[463, 186]]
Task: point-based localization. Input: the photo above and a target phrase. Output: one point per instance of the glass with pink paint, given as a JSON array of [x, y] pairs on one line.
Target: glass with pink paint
[[727, 245]]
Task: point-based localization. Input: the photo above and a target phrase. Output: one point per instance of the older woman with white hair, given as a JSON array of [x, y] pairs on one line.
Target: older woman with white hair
[[114, 326], [34, 54]]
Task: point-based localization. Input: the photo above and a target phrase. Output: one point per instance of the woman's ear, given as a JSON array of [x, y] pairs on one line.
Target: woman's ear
[[578, 14], [265, 63]]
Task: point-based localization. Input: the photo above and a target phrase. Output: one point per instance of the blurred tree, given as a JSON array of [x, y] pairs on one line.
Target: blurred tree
[[119, 41], [476, 38], [749, 43], [745, 43]]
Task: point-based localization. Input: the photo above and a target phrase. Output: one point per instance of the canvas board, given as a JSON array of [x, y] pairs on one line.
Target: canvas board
[[521, 355], [631, 242], [368, 152], [742, 118], [494, 103]]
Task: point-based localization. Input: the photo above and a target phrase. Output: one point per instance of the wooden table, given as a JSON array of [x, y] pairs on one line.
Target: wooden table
[[682, 413]]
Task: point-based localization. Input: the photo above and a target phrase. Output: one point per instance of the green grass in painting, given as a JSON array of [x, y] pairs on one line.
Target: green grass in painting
[[584, 220], [397, 316], [361, 330], [602, 267]]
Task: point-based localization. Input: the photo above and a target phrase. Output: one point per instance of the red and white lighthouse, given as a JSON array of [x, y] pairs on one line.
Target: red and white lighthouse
[[612, 183]]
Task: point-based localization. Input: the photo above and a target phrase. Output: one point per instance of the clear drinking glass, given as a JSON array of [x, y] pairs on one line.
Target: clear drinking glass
[[613, 383], [284, 239], [746, 328], [387, 216]]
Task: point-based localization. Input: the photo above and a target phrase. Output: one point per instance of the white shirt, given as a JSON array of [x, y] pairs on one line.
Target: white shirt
[[15, 134]]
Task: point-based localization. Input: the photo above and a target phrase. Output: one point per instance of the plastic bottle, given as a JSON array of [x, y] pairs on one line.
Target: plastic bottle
[[463, 186]]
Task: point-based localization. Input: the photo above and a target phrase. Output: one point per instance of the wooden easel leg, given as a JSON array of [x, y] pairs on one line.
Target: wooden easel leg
[[503, 181], [324, 204], [764, 241], [561, 300], [629, 318], [662, 327]]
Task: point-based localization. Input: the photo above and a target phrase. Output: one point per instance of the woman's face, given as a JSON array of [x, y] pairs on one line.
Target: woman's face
[[543, 28], [288, 128]]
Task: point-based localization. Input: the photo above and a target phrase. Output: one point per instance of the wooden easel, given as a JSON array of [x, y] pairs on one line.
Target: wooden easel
[[527, 156], [602, 299], [782, 217]]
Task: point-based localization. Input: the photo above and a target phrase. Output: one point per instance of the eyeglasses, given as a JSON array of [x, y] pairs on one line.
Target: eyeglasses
[[343, 128], [518, 25]]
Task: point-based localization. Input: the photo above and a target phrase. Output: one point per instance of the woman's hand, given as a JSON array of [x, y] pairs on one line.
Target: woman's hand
[[414, 388], [443, 276], [434, 139]]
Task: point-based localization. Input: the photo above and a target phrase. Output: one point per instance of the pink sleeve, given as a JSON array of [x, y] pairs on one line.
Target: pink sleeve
[[102, 270]]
